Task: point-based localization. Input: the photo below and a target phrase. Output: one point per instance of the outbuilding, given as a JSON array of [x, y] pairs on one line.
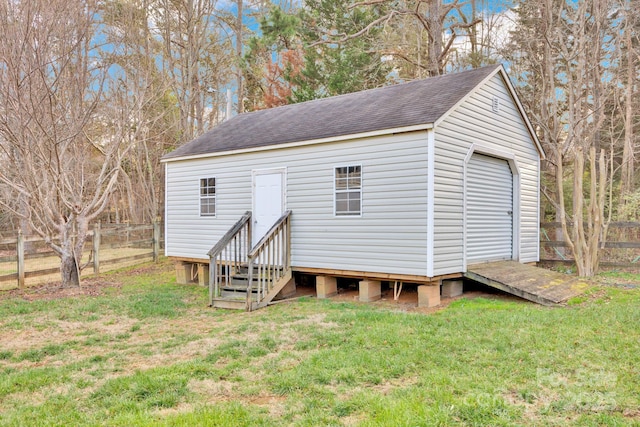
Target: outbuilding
[[407, 183]]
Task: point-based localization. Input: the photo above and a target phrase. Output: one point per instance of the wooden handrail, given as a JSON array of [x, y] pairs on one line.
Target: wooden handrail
[[229, 234], [228, 255], [267, 236], [272, 258]]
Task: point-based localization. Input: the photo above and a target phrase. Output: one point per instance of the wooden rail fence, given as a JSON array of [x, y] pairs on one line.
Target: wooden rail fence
[[23, 258], [620, 249]]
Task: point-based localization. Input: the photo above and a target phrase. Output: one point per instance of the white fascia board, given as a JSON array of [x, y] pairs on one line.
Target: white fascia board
[[303, 143]]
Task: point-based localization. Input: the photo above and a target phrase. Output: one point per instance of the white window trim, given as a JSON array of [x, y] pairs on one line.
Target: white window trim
[[214, 197], [335, 191]]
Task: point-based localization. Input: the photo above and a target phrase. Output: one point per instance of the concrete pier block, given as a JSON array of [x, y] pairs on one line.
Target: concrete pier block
[[428, 295], [451, 288], [326, 286], [369, 290]]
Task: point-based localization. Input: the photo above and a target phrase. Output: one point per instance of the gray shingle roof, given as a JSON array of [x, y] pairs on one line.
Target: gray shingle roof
[[408, 104]]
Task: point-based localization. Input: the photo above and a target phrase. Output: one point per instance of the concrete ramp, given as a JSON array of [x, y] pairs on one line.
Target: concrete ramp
[[535, 284]]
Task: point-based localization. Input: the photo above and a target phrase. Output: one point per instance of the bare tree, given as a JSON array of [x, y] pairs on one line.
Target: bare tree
[[52, 81], [170, 61], [438, 22], [238, 29], [193, 57], [481, 44], [559, 51], [141, 107], [630, 50], [234, 23]]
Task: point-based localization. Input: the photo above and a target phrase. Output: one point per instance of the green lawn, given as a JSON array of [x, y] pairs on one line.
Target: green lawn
[[140, 350]]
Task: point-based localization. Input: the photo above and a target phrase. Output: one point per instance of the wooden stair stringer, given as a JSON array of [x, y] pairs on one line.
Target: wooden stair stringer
[[277, 287]]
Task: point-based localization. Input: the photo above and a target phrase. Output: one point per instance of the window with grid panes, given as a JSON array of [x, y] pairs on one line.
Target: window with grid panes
[[348, 191], [207, 197]]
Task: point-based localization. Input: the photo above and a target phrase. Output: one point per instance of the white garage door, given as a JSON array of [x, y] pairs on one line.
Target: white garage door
[[489, 209]]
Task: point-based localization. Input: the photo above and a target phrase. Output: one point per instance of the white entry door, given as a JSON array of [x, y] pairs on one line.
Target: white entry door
[[268, 200]]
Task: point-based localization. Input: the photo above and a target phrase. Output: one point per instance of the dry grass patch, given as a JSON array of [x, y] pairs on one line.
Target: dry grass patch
[[144, 351]]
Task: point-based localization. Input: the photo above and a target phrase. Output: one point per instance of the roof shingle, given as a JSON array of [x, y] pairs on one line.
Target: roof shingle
[[407, 104]]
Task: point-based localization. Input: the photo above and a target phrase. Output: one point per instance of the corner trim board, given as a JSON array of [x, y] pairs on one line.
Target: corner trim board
[[431, 166]]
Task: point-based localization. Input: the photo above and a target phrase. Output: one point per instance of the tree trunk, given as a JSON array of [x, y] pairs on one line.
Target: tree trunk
[[627, 177], [435, 30], [586, 240], [239, 78], [72, 238], [561, 209], [579, 243], [69, 271]]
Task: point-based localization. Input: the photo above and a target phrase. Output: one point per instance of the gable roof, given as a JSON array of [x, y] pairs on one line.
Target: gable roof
[[415, 103]]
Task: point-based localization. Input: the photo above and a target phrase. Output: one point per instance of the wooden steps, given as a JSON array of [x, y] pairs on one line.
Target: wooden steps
[[249, 277], [233, 295], [230, 303]]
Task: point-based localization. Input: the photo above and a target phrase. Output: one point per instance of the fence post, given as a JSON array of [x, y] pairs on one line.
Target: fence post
[[20, 255], [96, 248], [156, 240]]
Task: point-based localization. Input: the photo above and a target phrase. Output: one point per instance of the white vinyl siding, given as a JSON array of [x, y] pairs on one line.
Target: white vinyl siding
[[384, 239], [475, 122]]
